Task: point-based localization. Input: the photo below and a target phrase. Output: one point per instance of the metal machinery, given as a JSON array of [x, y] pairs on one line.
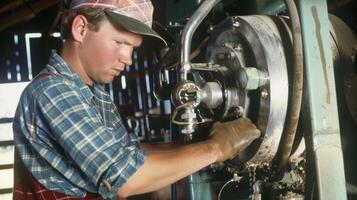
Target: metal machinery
[[273, 62]]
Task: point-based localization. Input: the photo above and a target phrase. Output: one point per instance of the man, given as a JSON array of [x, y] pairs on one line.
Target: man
[[70, 141]]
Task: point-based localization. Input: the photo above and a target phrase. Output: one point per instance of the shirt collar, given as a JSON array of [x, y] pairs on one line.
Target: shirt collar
[[62, 68]]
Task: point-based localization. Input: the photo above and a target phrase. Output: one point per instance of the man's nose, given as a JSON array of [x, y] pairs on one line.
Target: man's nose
[[127, 60], [125, 56]]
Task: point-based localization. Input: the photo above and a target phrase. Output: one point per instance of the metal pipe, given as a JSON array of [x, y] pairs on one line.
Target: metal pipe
[[188, 32], [288, 137]]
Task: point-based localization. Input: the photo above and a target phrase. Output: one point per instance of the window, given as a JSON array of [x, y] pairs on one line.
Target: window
[[10, 94]]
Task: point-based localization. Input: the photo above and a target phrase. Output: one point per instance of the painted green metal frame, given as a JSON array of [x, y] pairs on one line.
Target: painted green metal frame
[[321, 102], [198, 186]]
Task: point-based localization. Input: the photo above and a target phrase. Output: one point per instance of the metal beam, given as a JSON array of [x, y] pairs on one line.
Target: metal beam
[[26, 13], [11, 5], [321, 102]]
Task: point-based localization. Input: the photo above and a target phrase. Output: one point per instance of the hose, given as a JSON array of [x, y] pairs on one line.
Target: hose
[[288, 137]]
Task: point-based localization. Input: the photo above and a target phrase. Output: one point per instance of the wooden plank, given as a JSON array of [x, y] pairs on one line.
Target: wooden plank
[[5, 190], [25, 13], [8, 166], [11, 5], [6, 143], [5, 120]]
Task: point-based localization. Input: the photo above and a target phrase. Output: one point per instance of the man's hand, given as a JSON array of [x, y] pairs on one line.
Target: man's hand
[[232, 137]]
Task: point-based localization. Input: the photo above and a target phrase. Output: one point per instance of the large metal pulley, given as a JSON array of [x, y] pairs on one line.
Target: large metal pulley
[[254, 78]]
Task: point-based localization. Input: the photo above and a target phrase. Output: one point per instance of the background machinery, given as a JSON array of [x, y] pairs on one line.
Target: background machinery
[[289, 67]]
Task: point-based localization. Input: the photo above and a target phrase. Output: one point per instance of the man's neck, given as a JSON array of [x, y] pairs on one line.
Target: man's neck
[[70, 54]]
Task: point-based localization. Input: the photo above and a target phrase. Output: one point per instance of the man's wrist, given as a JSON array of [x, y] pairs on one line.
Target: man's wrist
[[213, 150]]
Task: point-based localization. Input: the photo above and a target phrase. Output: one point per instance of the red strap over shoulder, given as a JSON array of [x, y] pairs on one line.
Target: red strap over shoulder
[[44, 74], [26, 187]]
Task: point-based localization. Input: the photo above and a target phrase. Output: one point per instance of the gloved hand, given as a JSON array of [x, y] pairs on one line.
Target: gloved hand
[[232, 137]]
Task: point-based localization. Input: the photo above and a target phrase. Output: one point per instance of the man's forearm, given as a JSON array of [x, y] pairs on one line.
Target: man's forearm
[[164, 168], [149, 147]]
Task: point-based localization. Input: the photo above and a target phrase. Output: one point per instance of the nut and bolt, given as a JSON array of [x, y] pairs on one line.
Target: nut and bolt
[[251, 78], [239, 111]]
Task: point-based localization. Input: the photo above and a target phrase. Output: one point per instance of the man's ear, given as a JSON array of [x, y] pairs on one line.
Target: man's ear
[[79, 28]]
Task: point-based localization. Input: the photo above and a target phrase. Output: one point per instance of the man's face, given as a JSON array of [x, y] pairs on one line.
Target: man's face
[[105, 53]]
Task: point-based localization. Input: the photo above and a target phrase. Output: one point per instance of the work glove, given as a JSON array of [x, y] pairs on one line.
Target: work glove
[[232, 137]]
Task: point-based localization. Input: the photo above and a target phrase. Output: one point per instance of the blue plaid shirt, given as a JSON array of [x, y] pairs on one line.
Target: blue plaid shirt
[[71, 138]]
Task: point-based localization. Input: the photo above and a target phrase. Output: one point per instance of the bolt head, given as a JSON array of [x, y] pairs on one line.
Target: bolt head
[[248, 78], [264, 94]]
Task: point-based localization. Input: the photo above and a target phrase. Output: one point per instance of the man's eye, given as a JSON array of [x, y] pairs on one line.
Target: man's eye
[[118, 42]]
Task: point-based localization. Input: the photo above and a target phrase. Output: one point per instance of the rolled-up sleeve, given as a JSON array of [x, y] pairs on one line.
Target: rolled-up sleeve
[[107, 156]]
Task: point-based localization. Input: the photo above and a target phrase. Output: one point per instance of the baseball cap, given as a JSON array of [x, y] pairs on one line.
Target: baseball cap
[[133, 15]]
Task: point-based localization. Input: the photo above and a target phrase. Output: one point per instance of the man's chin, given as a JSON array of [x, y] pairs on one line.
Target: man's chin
[[106, 81]]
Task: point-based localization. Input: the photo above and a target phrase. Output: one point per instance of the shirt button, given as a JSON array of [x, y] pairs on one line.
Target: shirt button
[[106, 185]]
